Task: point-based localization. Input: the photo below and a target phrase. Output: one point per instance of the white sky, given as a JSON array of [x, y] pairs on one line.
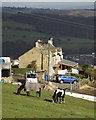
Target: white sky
[[46, 3], [47, 0]]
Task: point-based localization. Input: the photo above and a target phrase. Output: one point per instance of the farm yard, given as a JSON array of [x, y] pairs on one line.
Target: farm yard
[[22, 106], [66, 34]]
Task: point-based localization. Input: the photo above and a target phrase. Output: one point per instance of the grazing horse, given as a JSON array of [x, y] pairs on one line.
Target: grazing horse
[[59, 93], [27, 86]]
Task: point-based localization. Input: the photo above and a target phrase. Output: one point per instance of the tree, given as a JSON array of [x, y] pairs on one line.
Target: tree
[[84, 68], [89, 72]]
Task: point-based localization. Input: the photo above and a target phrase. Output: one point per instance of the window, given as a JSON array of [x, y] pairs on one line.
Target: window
[[5, 72], [59, 66], [31, 75]]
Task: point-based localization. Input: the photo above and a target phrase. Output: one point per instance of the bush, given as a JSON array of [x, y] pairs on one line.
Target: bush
[[86, 81]]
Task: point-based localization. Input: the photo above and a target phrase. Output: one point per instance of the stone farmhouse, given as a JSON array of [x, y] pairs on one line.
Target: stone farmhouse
[[45, 55]]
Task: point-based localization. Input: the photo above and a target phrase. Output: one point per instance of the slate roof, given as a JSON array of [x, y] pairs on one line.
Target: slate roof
[[68, 62], [52, 48]]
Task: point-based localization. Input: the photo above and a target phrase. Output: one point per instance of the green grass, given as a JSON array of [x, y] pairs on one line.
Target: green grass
[[12, 30], [22, 106], [15, 30], [16, 25], [22, 71], [11, 35], [75, 43]]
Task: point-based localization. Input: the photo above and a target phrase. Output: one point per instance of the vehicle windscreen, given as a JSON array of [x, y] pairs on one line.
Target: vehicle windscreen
[[65, 76]]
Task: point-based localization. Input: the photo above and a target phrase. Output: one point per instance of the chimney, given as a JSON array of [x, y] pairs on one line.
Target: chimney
[[50, 41], [38, 43]]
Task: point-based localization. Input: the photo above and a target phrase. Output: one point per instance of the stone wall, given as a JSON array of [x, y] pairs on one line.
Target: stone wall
[[33, 55]]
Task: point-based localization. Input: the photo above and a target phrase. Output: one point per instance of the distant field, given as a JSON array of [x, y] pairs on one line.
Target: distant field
[[24, 30], [13, 31], [21, 106]]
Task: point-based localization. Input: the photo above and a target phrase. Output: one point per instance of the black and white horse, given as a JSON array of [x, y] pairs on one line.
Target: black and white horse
[[59, 94]]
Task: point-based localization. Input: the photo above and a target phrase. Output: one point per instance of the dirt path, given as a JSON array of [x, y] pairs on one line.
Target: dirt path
[[82, 96]]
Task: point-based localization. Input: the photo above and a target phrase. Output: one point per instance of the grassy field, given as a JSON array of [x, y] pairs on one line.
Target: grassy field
[[16, 34], [21, 31], [22, 106]]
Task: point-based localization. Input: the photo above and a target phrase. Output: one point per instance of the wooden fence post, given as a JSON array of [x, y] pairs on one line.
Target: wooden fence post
[[71, 87]]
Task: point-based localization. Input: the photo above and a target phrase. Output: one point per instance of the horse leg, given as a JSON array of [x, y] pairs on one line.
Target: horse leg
[[38, 92], [55, 98], [19, 89], [63, 99], [60, 100], [27, 93]]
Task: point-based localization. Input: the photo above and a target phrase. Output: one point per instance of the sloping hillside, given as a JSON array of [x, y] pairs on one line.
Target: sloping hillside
[[71, 30]]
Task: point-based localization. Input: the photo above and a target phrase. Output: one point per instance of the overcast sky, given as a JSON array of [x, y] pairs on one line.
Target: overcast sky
[[47, 0], [59, 5]]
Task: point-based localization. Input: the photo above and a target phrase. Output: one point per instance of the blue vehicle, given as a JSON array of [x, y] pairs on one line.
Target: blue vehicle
[[66, 79]]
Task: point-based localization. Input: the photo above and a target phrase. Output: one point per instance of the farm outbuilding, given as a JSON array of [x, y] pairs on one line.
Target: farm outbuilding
[[65, 64]]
